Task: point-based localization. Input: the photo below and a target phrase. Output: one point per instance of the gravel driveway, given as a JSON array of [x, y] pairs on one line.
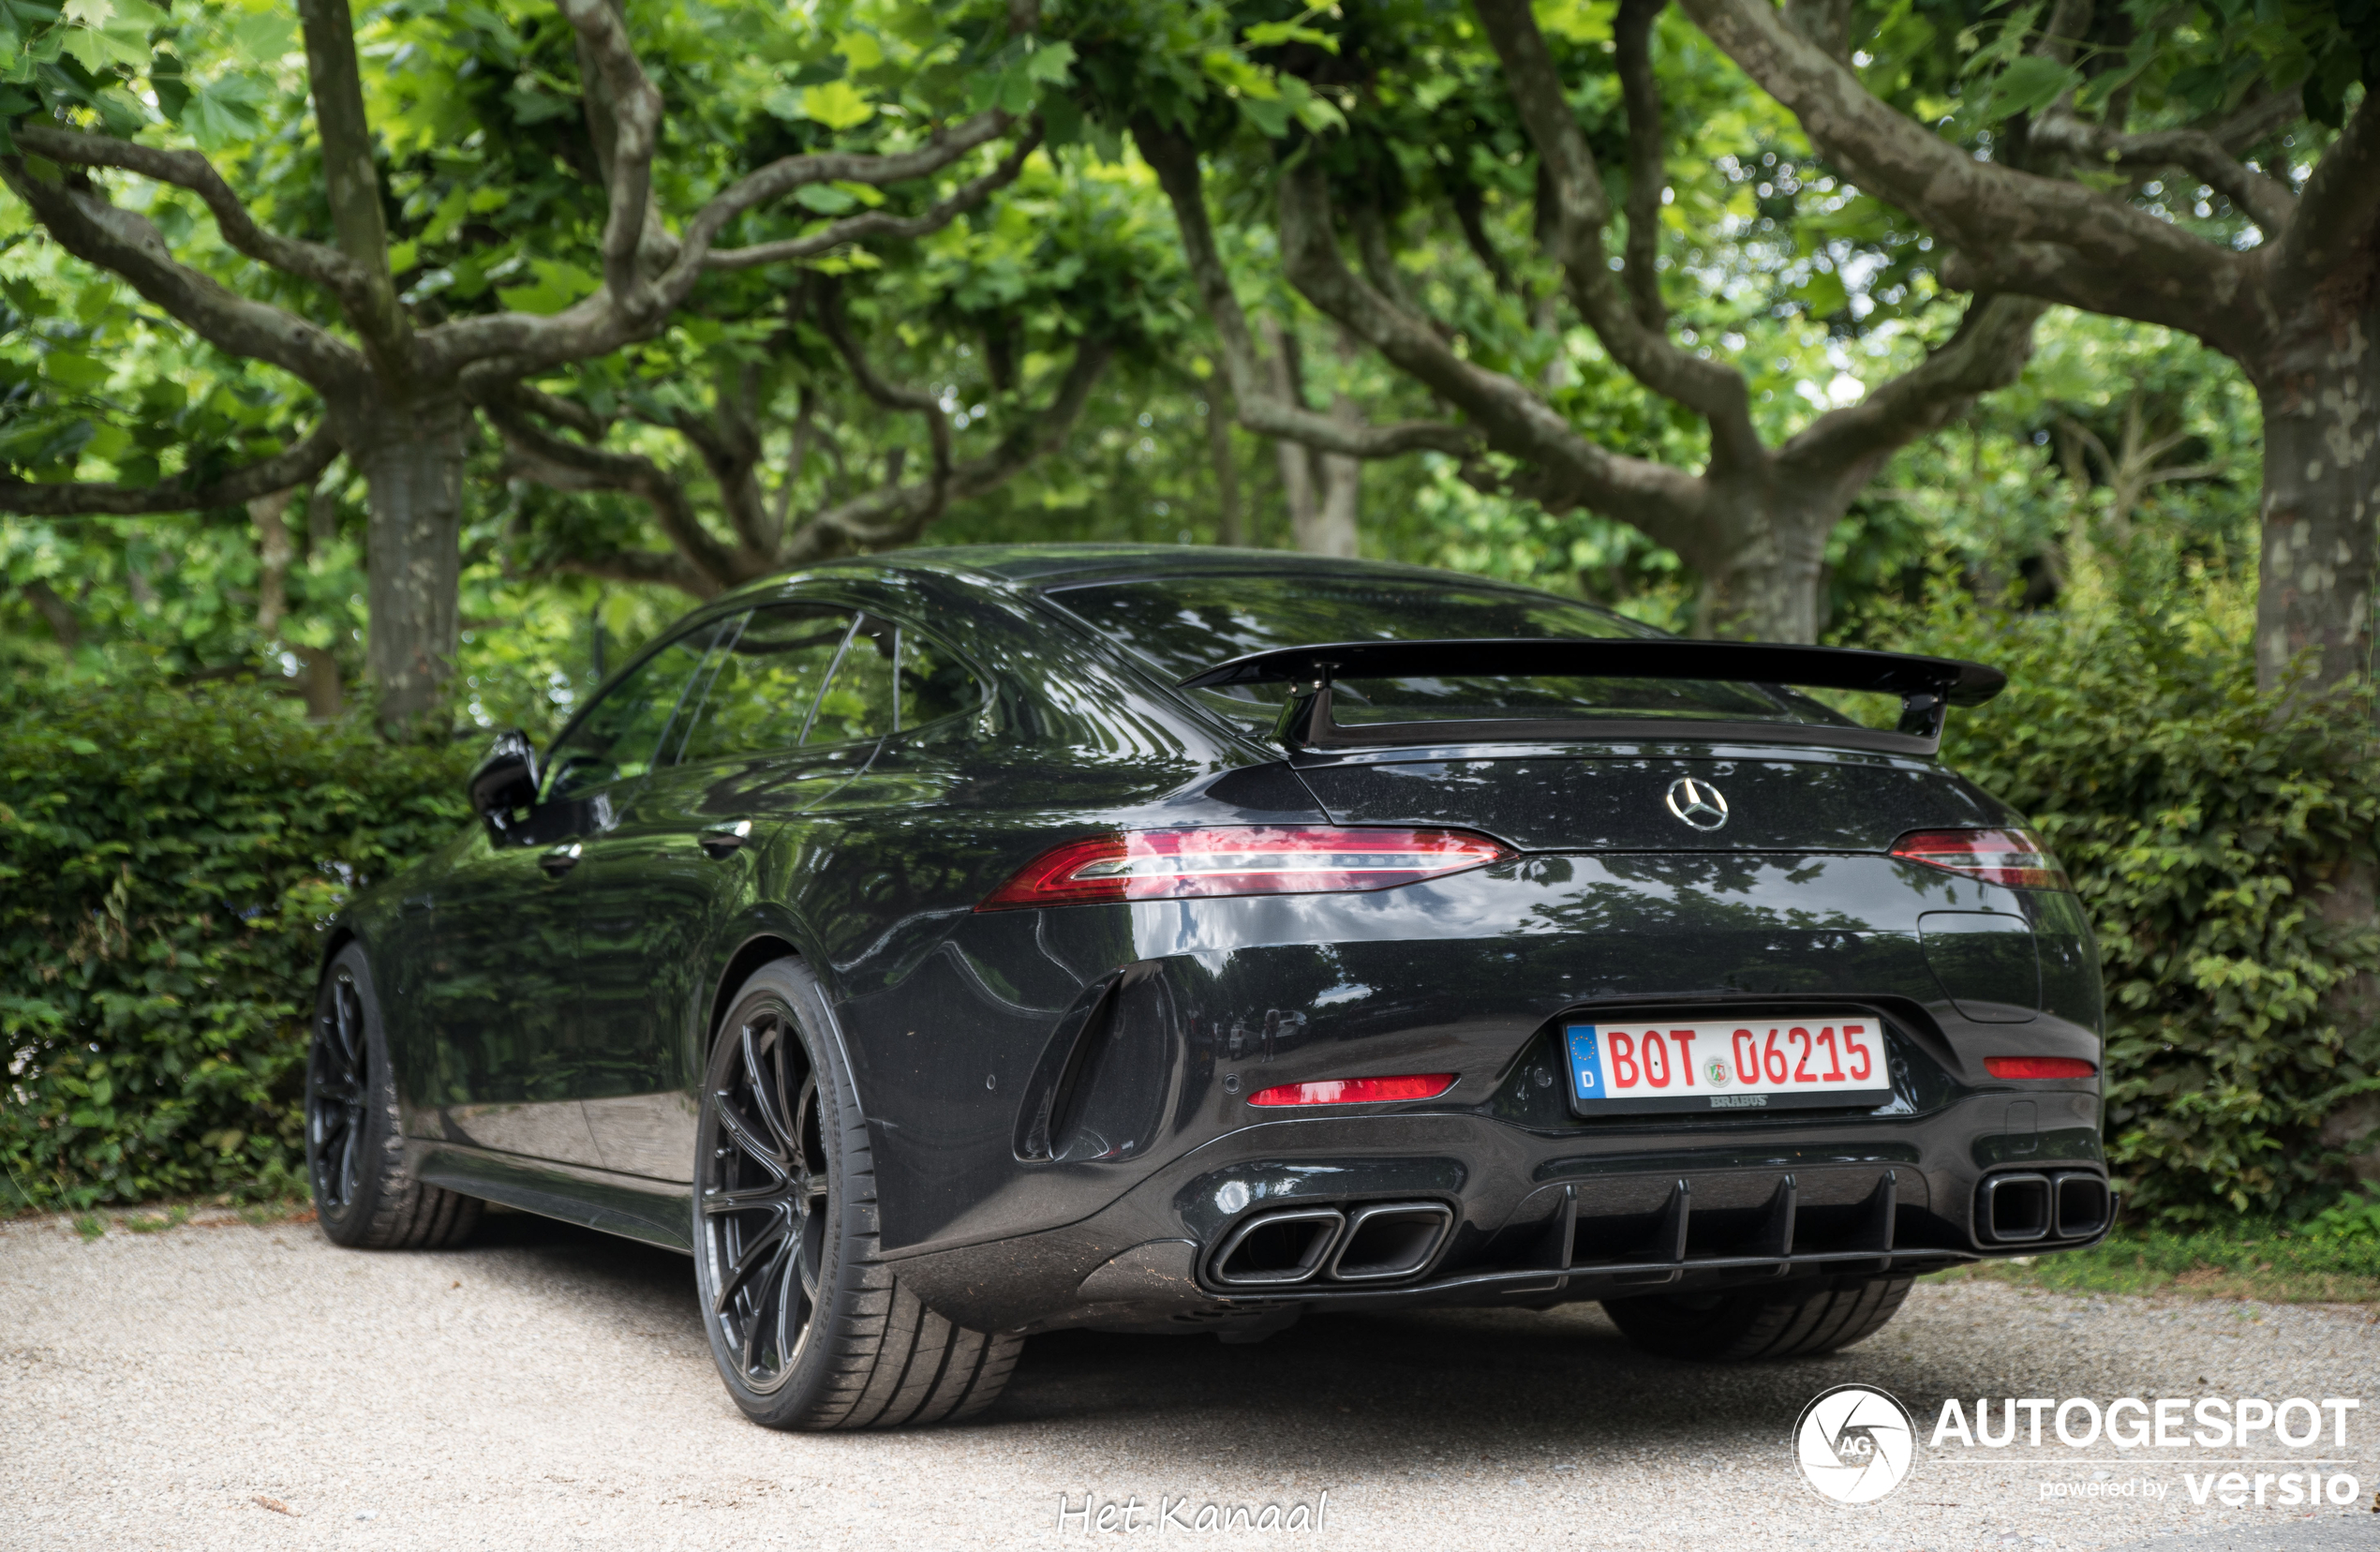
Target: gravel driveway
[[224, 1385]]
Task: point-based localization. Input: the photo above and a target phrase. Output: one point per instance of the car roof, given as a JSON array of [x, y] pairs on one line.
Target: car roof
[[1039, 566]]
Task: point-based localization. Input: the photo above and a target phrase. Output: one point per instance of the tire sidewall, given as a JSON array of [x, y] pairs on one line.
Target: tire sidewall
[[850, 1237]]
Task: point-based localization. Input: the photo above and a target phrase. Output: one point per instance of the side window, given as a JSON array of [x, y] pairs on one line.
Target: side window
[[621, 737], [859, 702], [767, 680], [933, 684]]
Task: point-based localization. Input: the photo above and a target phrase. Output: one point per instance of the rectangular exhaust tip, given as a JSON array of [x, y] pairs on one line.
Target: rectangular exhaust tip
[[1272, 1249], [2014, 1209], [2083, 1205], [1389, 1240]]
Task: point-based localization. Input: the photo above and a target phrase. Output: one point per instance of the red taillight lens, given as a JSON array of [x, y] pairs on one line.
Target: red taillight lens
[[1356, 1091], [1239, 861], [2039, 1066], [2011, 857]]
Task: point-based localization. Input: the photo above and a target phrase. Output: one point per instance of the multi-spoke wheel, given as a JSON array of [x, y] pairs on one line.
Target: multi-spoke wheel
[[809, 1328], [354, 1156], [335, 1079], [763, 1201]]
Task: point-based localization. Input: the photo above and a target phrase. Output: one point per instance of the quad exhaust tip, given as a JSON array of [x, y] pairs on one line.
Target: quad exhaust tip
[[2020, 1209], [1376, 1242]]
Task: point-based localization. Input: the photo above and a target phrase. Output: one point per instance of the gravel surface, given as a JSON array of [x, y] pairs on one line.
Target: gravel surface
[[224, 1385]]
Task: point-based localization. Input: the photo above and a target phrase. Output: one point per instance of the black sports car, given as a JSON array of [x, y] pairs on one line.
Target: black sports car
[[956, 945]]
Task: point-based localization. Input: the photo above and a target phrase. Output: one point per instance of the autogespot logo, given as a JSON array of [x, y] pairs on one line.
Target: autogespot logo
[[1856, 1443]]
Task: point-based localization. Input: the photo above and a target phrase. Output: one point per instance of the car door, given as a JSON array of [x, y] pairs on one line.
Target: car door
[[501, 996], [658, 889]]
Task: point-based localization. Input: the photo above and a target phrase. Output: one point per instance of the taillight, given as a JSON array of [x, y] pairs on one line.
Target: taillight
[[1356, 1091], [1238, 861], [2039, 1066], [2016, 858]]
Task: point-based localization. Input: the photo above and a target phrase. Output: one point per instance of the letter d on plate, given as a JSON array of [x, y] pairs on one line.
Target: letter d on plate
[[1587, 1065]]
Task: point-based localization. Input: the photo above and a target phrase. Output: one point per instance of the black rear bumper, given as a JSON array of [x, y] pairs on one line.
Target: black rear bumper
[[1390, 1211]]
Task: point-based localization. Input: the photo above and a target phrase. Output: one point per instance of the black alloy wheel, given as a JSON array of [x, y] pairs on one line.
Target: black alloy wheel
[[808, 1325], [364, 1195], [335, 1075], [765, 1200]]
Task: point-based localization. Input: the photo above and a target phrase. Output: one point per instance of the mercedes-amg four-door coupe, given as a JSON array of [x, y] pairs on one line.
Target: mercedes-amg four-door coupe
[[955, 945]]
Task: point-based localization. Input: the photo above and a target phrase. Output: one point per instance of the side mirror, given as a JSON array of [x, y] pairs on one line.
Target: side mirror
[[505, 782]]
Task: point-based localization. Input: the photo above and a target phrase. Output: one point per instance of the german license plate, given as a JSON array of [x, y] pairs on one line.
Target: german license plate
[[1753, 1064]]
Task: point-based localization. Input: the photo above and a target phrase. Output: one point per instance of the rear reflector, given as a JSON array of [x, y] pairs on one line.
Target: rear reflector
[[1356, 1091], [2011, 857], [2039, 1066], [1239, 860]]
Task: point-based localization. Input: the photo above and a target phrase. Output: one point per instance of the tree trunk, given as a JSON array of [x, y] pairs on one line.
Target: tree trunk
[[2320, 394], [413, 472], [1763, 582], [1228, 529], [1331, 528]]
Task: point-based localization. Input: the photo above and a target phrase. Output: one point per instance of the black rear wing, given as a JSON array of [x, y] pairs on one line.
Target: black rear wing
[[1926, 686]]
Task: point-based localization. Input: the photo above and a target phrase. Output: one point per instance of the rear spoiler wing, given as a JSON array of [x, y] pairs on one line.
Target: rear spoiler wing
[[1927, 687]]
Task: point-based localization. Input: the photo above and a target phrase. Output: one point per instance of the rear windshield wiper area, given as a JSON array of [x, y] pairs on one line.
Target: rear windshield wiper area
[[1372, 695]]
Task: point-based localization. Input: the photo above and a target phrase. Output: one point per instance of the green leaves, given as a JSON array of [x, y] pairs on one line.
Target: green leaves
[[2204, 824], [169, 857], [2027, 87]]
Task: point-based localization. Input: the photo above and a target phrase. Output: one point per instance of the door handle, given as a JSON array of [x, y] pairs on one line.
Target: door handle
[[560, 860], [724, 841]]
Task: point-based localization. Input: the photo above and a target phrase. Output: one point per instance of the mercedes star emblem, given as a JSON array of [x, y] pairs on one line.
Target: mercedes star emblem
[[1699, 803]]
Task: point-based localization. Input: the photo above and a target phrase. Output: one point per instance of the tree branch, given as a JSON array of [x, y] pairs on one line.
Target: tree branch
[[1175, 160], [831, 315], [323, 265], [2263, 199], [633, 105], [517, 344], [1632, 38], [1710, 389], [2340, 211], [896, 514], [877, 223], [1993, 340], [567, 466], [1998, 218], [86, 225], [295, 466], [1651, 496], [1468, 215], [354, 185]]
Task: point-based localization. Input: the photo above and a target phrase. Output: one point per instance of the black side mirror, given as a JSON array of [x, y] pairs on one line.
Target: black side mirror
[[505, 783]]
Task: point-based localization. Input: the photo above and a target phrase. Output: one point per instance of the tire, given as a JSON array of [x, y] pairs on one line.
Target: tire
[[364, 1197], [1755, 1325], [815, 1332]]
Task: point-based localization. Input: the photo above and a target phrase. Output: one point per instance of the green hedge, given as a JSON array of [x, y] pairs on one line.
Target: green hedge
[[166, 858], [2201, 822]]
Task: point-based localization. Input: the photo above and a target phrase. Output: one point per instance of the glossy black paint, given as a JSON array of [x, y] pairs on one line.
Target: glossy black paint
[[1057, 1097]]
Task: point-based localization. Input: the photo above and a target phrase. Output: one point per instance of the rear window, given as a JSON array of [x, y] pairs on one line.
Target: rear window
[[1181, 624]]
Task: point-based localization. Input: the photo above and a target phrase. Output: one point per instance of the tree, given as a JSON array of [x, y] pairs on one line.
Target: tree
[[1405, 124], [393, 375], [780, 432], [2154, 162]]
